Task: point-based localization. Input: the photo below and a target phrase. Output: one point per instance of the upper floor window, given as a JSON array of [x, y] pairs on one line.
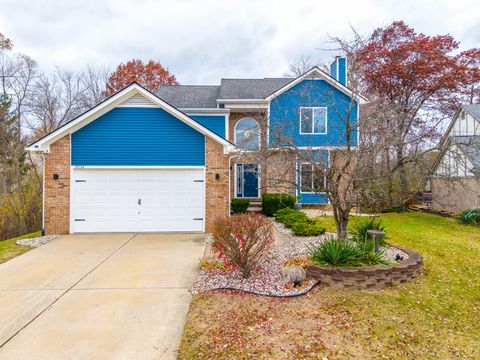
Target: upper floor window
[[313, 120], [247, 134]]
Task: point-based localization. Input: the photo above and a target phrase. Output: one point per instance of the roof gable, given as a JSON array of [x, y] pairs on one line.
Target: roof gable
[[317, 73], [136, 93]]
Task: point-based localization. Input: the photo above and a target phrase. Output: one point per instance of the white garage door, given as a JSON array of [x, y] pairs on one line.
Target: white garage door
[[119, 200]]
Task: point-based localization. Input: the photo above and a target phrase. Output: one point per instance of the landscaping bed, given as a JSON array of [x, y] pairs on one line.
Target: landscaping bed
[[377, 276], [290, 251], [266, 278], [435, 316], [36, 241]]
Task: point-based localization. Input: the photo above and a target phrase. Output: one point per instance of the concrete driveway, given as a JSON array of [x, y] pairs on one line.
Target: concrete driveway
[[108, 296]]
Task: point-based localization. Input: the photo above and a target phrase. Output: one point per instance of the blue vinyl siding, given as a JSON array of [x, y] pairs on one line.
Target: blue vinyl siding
[[333, 70], [342, 70], [313, 199], [138, 137], [341, 76], [215, 123], [285, 115], [308, 198]]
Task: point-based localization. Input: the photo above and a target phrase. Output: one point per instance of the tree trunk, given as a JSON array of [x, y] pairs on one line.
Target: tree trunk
[[403, 174], [341, 222]]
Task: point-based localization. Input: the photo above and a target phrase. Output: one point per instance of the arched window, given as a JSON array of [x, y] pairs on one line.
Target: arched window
[[247, 134]]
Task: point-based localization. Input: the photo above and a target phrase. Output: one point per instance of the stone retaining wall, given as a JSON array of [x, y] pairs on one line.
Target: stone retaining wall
[[371, 276]]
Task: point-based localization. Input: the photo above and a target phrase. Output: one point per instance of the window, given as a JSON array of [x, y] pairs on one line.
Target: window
[[313, 120], [312, 178], [247, 134]]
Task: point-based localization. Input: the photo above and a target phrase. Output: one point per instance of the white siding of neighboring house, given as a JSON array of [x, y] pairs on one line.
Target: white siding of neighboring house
[[454, 163], [465, 125]]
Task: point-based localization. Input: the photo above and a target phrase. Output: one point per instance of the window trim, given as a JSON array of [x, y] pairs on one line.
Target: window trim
[[313, 120], [312, 164], [259, 132]]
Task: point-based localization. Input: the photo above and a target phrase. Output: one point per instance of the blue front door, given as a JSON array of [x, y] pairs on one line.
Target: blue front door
[[247, 180]]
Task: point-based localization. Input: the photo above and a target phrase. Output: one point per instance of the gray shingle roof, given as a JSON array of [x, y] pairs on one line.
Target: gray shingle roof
[[250, 88], [189, 96], [205, 96], [473, 109]]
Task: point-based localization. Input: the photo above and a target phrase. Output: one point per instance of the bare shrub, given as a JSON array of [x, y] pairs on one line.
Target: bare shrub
[[242, 240]]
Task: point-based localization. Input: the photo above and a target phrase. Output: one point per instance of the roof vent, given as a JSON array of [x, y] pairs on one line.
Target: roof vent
[[138, 100]]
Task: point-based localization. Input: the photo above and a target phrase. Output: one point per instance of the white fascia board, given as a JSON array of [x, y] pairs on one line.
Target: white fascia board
[[102, 108], [205, 111], [317, 73]]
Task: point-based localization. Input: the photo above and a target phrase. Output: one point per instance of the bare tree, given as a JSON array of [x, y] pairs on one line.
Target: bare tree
[[301, 65], [93, 82], [61, 96]]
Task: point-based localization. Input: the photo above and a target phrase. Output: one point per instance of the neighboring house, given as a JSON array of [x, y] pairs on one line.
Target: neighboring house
[[171, 161], [455, 182]]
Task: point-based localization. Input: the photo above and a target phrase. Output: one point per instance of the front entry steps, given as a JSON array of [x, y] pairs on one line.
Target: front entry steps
[[255, 206]]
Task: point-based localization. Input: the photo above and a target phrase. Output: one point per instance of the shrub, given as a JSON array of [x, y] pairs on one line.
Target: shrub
[[242, 240], [396, 208], [344, 253], [309, 228], [271, 203], [289, 217], [299, 222], [239, 205], [369, 256], [470, 217], [282, 213], [295, 218], [360, 229], [335, 252], [21, 209]]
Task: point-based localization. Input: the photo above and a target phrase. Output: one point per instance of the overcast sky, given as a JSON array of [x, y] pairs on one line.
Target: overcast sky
[[201, 41]]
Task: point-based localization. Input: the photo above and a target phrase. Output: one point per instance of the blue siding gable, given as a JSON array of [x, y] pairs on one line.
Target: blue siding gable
[[285, 115], [215, 123], [137, 137]]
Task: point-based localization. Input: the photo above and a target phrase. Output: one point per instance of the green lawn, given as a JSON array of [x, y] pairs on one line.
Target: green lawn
[[8, 248], [435, 316]]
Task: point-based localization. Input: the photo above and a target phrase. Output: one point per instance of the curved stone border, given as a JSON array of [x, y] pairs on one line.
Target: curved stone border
[[267, 294], [376, 277]]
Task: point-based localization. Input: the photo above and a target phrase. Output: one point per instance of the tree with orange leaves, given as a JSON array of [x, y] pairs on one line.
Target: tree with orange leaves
[[150, 75], [417, 81]]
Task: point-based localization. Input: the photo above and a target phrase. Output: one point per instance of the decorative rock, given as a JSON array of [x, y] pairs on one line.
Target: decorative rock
[[36, 242], [293, 275]]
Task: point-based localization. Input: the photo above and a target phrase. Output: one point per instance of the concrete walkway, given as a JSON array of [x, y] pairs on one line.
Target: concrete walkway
[[109, 296]]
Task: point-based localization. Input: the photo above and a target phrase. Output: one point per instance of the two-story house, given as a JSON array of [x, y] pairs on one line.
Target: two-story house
[[455, 180], [173, 159]]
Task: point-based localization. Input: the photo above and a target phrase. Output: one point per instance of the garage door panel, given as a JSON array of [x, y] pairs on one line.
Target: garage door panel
[[108, 200]]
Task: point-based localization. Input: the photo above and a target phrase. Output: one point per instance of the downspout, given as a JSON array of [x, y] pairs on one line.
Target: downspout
[[229, 183], [43, 195]]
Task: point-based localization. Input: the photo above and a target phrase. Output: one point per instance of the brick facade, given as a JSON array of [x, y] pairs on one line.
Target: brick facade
[[216, 191], [277, 169], [57, 192]]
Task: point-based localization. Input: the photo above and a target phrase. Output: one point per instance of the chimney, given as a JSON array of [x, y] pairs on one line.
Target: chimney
[[338, 70]]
